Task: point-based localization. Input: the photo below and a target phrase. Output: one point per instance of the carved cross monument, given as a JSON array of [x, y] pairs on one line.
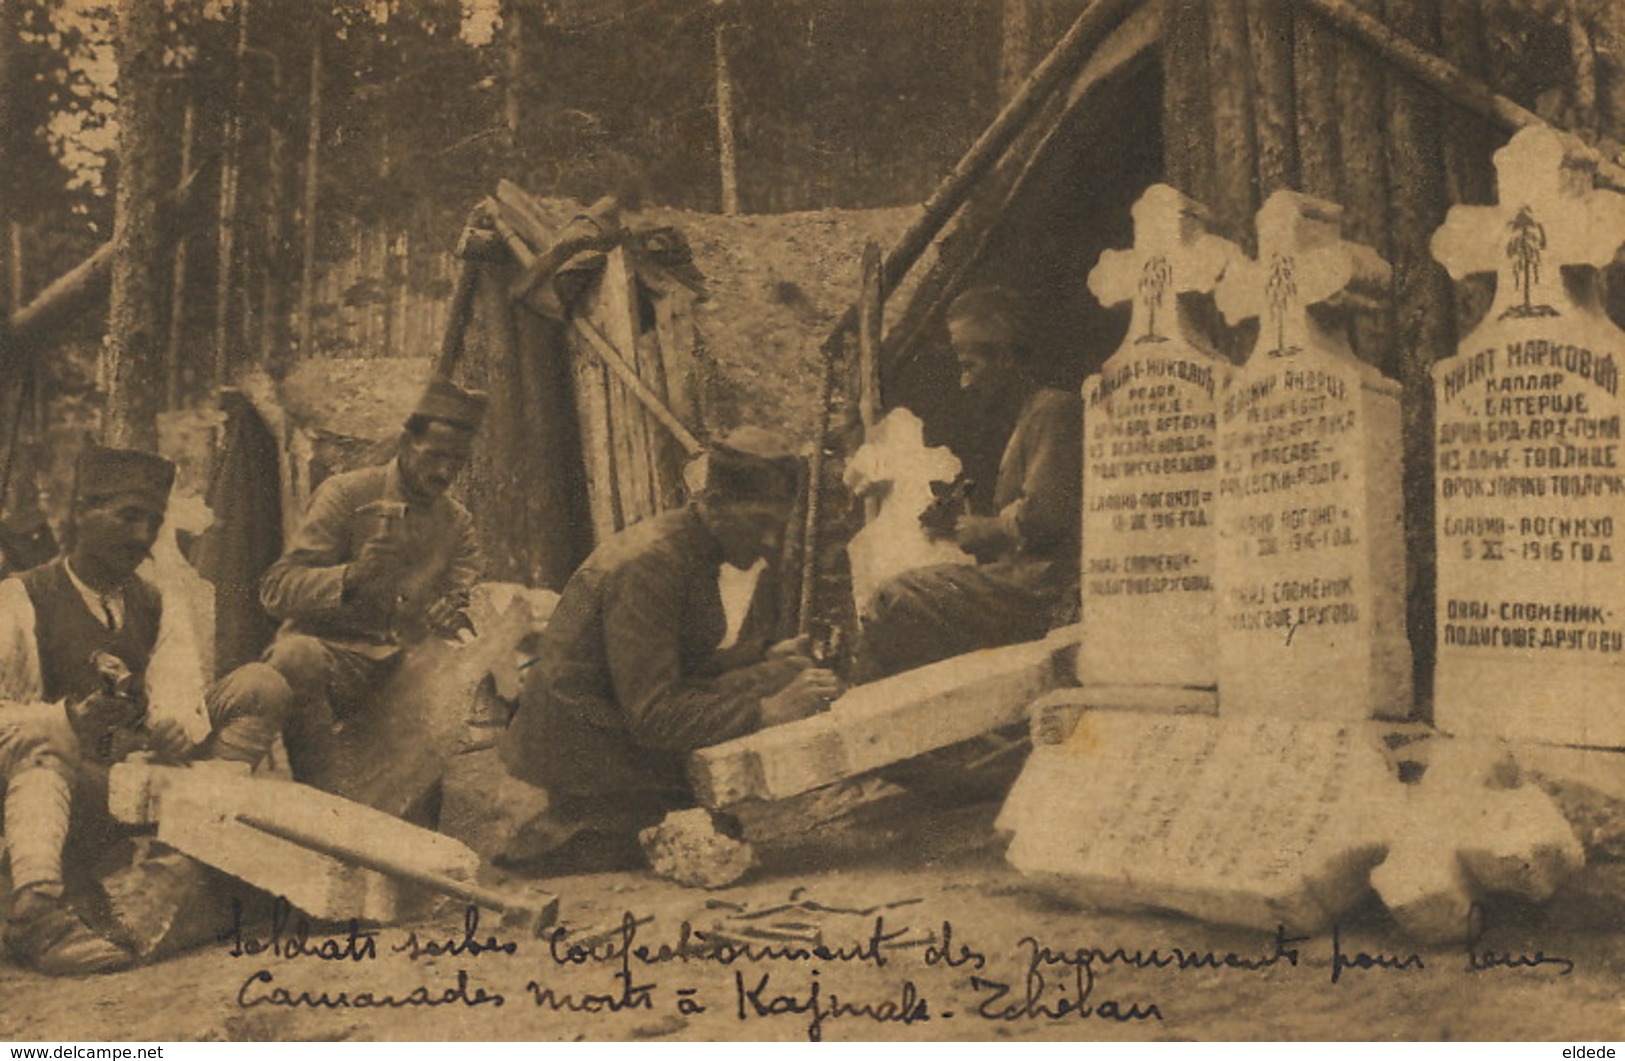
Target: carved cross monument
[[1311, 566], [897, 467], [1150, 423], [1531, 469]]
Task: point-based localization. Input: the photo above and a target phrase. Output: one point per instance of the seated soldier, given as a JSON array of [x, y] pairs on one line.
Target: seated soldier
[[1026, 548], [383, 559], [86, 645], [629, 679]]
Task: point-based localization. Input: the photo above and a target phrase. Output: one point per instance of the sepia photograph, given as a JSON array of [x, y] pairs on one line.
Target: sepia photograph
[[812, 520]]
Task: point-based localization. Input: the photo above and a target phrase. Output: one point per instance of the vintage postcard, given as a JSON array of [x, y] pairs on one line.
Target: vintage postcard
[[833, 520]]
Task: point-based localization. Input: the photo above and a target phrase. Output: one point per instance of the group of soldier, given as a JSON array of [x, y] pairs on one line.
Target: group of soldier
[[629, 677]]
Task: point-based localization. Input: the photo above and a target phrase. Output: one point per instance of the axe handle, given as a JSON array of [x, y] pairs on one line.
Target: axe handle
[[474, 893]]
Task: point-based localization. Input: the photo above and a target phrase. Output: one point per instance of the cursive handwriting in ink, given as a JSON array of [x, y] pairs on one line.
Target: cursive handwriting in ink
[[1478, 961], [630, 996], [1033, 1005], [288, 939], [910, 1007], [249, 996], [1042, 954], [694, 945], [1362, 960], [945, 955], [468, 946]]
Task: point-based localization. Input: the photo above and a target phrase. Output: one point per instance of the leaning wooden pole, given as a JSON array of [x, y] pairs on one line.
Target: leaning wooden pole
[[1092, 26]]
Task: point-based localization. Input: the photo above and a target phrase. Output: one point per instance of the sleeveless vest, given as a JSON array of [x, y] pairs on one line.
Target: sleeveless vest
[[68, 634]]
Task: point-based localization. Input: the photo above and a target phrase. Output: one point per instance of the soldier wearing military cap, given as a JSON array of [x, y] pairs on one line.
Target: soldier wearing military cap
[[383, 559], [90, 669], [629, 678], [1023, 538]]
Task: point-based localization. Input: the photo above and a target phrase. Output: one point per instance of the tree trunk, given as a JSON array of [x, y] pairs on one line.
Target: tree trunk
[[173, 368], [135, 379], [313, 151], [226, 246], [726, 155]]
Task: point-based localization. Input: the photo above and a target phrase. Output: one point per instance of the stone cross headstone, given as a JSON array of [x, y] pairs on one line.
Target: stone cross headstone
[[1530, 467], [896, 466], [1150, 425], [1311, 565]]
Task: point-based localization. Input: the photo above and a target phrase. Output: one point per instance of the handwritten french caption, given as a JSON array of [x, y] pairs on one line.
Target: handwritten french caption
[[889, 972]]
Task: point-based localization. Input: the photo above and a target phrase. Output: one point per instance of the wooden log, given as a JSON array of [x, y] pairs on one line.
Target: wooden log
[[885, 722], [591, 374], [963, 250], [1360, 102], [1235, 198], [1187, 126], [1469, 139], [674, 327], [457, 316], [1270, 33], [1440, 75], [622, 326], [1315, 72], [1093, 25], [1424, 305], [870, 323]]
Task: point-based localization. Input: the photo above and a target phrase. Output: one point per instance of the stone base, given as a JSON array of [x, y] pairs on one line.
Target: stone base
[[1053, 716]]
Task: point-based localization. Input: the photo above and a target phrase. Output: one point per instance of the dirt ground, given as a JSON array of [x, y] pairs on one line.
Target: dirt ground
[[927, 935]]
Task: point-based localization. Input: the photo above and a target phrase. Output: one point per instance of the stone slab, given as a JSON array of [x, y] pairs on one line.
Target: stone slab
[[197, 810], [1053, 716], [885, 722], [1257, 822]]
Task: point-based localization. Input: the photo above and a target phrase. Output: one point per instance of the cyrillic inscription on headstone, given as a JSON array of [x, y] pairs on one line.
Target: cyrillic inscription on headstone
[[1258, 822], [1530, 478], [1311, 547], [1150, 424]]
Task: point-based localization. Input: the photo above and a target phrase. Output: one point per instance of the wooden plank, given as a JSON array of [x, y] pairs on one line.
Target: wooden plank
[[1270, 30], [621, 324], [600, 346], [674, 326], [592, 414], [885, 722]]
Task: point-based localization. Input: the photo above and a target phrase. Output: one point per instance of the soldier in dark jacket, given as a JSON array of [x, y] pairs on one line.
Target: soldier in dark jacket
[[1026, 544], [90, 670], [629, 679]]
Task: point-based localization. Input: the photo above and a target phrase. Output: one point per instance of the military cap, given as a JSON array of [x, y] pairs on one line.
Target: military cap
[[445, 401], [103, 471]]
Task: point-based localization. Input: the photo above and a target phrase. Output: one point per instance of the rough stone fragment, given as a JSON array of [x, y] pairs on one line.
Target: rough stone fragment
[[1520, 844], [688, 848], [1422, 884]]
